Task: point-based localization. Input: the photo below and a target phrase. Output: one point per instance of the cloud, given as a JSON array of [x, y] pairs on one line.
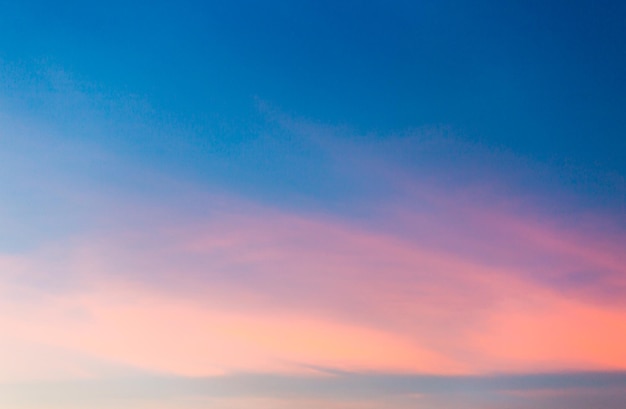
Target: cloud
[[346, 390], [252, 288], [402, 273]]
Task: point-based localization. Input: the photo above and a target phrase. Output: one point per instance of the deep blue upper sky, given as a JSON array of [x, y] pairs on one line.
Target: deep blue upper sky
[[544, 80]]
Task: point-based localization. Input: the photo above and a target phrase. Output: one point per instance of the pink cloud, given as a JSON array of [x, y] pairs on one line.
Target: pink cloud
[[153, 332], [254, 289]]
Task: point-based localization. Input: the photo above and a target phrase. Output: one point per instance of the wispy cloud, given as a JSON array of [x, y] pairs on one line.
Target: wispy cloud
[[414, 269]]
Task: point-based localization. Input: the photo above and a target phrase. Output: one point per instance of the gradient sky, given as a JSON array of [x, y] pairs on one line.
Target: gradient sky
[[313, 204]]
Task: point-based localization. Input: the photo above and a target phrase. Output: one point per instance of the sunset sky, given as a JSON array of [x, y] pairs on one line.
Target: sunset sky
[[313, 204]]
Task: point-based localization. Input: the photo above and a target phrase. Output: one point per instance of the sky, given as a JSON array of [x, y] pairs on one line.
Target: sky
[[304, 204]]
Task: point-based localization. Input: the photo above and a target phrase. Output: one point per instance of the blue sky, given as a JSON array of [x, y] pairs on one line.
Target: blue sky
[[541, 80], [446, 178]]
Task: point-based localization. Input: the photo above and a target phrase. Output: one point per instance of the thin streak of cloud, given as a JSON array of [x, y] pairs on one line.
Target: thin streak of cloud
[[347, 390]]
